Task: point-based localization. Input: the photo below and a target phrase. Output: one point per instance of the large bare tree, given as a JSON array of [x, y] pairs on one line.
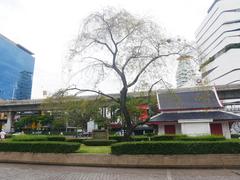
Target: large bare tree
[[116, 43]]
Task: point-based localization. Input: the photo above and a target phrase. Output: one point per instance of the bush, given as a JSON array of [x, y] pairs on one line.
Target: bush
[[201, 138], [77, 140], [37, 138], [177, 147], [119, 138], [167, 137], [181, 137], [235, 136], [39, 147], [139, 138], [150, 134], [131, 138], [98, 142], [56, 138], [9, 135], [29, 138]]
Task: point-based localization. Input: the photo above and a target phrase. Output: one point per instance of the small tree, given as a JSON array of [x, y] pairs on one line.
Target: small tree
[[32, 121], [115, 43], [72, 111]]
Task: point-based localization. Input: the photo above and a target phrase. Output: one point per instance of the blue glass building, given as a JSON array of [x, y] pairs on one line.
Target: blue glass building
[[16, 70]]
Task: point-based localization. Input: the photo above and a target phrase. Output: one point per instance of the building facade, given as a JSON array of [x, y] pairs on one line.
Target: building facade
[[17, 66], [218, 39]]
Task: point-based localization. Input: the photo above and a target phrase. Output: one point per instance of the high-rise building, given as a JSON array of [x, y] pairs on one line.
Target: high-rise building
[[218, 39], [185, 71], [16, 64], [24, 85]]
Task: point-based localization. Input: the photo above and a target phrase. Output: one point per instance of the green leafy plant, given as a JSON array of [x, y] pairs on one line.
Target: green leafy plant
[[77, 140], [39, 147], [177, 147], [37, 138], [99, 142]]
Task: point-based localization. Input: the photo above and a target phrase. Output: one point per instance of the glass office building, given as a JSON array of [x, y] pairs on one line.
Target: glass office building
[[16, 70]]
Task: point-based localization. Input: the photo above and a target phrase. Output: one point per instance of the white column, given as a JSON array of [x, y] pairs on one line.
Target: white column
[[161, 129], [178, 129], [226, 130], [8, 125]]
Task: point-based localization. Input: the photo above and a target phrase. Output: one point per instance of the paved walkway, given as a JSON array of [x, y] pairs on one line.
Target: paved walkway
[[44, 172]]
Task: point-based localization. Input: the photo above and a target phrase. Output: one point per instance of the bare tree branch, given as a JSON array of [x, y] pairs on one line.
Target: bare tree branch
[[125, 37], [105, 44], [133, 56], [99, 60], [147, 65], [150, 89]]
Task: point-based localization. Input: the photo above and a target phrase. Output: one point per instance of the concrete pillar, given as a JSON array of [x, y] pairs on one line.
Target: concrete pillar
[[178, 129], [226, 130], [8, 125], [161, 129]]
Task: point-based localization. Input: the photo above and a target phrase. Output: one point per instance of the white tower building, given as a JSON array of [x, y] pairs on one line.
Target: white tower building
[[185, 75], [218, 39]]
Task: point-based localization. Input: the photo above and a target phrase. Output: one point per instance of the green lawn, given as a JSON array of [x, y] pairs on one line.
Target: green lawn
[[95, 149]]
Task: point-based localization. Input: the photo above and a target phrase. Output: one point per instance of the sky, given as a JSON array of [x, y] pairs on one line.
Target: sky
[[47, 27]]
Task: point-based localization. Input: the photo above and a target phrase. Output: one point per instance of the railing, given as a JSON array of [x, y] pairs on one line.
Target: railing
[[232, 108], [20, 102]]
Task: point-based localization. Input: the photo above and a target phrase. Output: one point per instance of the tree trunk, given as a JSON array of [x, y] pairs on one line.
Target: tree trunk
[[125, 112]]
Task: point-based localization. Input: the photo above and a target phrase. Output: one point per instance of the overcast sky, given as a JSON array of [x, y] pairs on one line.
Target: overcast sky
[[46, 27]]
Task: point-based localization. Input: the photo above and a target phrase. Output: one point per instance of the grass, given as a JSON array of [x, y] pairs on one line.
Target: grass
[[94, 149]]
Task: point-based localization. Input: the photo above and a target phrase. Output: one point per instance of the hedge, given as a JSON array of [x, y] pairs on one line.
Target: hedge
[[131, 138], [177, 147], [37, 138], [39, 147], [235, 136], [93, 142], [182, 137], [56, 138], [170, 137], [140, 138], [9, 135], [118, 138], [29, 138], [77, 140], [201, 138], [167, 137]]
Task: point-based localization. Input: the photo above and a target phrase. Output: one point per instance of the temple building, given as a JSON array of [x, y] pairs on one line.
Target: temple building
[[193, 112]]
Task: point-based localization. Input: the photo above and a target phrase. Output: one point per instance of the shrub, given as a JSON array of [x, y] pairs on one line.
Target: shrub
[[131, 138], [77, 140], [167, 137], [119, 138], [180, 137], [29, 138], [9, 135], [235, 136], [39, 147], [56, 138], [37, 138], [150, 134], [139, 138], [98, 142], [177, 147], [201, 138]]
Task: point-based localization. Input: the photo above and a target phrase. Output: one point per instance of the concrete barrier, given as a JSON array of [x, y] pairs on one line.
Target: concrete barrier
[[136, 161]]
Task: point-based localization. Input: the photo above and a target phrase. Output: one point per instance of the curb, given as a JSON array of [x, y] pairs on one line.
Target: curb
[[125, 161]]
